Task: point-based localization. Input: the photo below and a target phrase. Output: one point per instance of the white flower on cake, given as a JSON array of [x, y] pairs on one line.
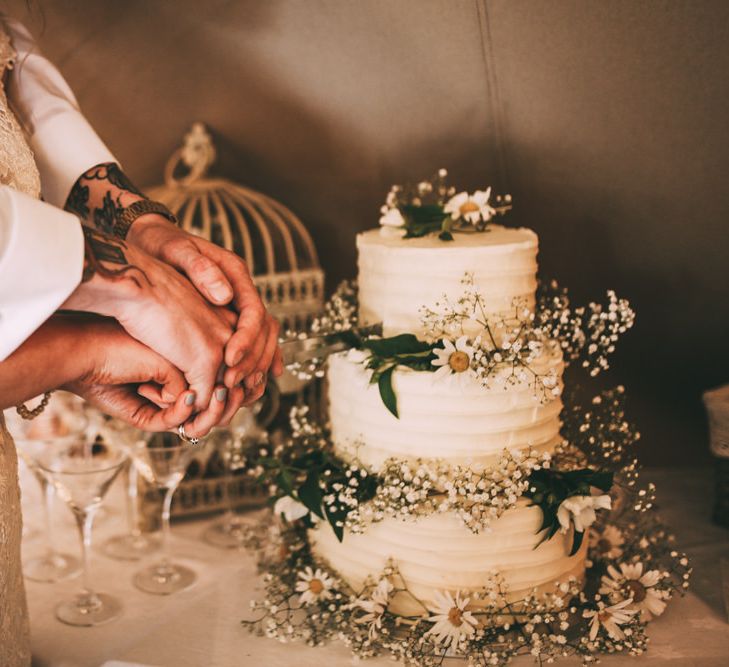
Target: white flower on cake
[[473, 208], [290, 508], [452, 623], [608, 543], [580, 510], [391, 217], [610, 618], [313, 586], [454, 359], [631, 582], [374, 607]]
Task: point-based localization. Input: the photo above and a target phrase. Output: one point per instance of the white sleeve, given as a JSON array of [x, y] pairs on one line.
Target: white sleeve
[[41, 262], [64, 143]]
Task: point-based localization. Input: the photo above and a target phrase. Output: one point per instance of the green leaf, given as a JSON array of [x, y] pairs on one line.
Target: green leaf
[[445, 236], [395, 345], [386, 391], [576, 542], [285, 482], [310, 494]]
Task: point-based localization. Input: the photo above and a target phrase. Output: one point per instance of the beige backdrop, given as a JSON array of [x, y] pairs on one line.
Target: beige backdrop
[[605, 120]]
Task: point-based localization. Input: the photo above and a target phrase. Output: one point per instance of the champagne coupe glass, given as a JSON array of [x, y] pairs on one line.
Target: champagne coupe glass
[[82, 472], [231, 443], [46, 429], [162, 461], [133, 544]]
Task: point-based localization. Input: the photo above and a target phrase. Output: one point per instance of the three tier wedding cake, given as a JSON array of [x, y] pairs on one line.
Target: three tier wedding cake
[[459, 500]]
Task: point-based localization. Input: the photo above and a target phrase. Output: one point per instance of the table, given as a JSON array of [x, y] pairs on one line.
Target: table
[[200, 627]]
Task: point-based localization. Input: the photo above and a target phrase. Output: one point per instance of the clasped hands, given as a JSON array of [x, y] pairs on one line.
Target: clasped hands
[[192, 341]]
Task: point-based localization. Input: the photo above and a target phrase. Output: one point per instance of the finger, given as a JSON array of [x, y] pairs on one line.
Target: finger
[[200, 425], [277, 365], [264, 362], [153, 393], [235, 400], [235, 374], [255, 395], [149, 417], [228, 316], [202, 271], [180, 411]]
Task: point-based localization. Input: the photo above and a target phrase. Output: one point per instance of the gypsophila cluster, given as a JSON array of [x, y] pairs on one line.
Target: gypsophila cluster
[[476, 494], [586, 334]]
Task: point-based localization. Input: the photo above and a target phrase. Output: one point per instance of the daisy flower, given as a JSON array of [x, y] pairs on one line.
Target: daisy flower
[[608, 543], [610, 618], [631, 582], [453, 359], [473, 208], [452, 622], [313, 586], [374, 608], [581, 511]]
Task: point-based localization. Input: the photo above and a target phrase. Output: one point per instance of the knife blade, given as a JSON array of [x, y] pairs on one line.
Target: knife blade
[[314, 346]]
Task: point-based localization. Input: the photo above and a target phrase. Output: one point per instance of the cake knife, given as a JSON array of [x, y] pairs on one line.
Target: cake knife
[[301, 350]]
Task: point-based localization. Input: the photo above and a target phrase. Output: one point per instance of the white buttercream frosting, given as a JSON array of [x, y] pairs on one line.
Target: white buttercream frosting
[[437, 552], [458, 423], [398, 276]]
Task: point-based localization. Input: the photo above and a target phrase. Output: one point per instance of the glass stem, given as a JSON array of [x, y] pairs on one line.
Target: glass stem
[[84, 521], [48, 496], [132, 508], [166, 507]]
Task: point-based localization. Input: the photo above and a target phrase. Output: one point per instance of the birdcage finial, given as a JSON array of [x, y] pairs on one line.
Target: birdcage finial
[[197, 154]]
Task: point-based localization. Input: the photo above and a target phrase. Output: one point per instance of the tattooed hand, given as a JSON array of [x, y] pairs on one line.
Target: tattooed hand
[[160, 308], [223, 278], [101, 195]]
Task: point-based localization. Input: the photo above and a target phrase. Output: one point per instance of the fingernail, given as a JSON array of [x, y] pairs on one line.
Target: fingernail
[[219, 291], [221, 393], [190, 398]]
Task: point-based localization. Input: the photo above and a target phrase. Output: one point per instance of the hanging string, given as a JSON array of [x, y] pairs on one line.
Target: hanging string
[[492, 84]]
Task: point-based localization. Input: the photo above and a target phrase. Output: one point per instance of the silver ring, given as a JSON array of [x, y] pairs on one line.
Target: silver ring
[[185, 437]]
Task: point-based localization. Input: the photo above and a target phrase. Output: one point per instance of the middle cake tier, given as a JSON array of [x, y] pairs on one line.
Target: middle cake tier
[[457, 422]]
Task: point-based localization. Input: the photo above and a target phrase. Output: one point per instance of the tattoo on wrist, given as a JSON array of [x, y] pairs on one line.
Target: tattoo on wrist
[[102, 249], [96, 197]]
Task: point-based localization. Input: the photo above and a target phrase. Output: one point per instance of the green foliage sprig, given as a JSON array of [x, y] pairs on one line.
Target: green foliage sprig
[[549, 488]]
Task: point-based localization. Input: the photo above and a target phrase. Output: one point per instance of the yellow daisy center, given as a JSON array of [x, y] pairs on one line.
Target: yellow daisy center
[[604, 616], [455, 616], [316, 586], [635, 590], [459, 361], [468, 207]]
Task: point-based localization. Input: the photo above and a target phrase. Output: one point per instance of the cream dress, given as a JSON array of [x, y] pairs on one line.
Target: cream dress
[[18, 170]]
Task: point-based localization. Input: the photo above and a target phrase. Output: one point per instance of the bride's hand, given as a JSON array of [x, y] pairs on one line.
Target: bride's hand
[[160, 308], [126, 379]]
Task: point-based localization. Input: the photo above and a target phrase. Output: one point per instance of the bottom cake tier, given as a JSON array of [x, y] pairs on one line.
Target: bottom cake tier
[[438, 553]]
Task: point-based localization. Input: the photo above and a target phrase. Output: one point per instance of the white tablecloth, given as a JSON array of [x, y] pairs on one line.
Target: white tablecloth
[[200, 627]]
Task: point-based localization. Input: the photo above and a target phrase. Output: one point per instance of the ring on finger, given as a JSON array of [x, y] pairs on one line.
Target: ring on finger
[[186, 438]]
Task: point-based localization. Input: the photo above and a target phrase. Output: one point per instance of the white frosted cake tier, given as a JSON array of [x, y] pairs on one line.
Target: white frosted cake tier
[[398, 276], [438, 418], [437, 553]]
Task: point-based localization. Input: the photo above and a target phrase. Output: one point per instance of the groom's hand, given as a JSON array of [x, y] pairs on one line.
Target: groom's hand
[[223, 278]]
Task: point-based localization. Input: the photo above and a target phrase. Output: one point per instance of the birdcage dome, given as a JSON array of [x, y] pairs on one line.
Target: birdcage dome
[[272, 240]]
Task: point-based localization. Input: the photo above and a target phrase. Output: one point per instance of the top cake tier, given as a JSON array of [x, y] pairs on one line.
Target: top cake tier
[[398, 276]]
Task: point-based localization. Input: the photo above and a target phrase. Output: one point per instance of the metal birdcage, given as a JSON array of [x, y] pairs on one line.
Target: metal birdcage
[[272, 240]]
